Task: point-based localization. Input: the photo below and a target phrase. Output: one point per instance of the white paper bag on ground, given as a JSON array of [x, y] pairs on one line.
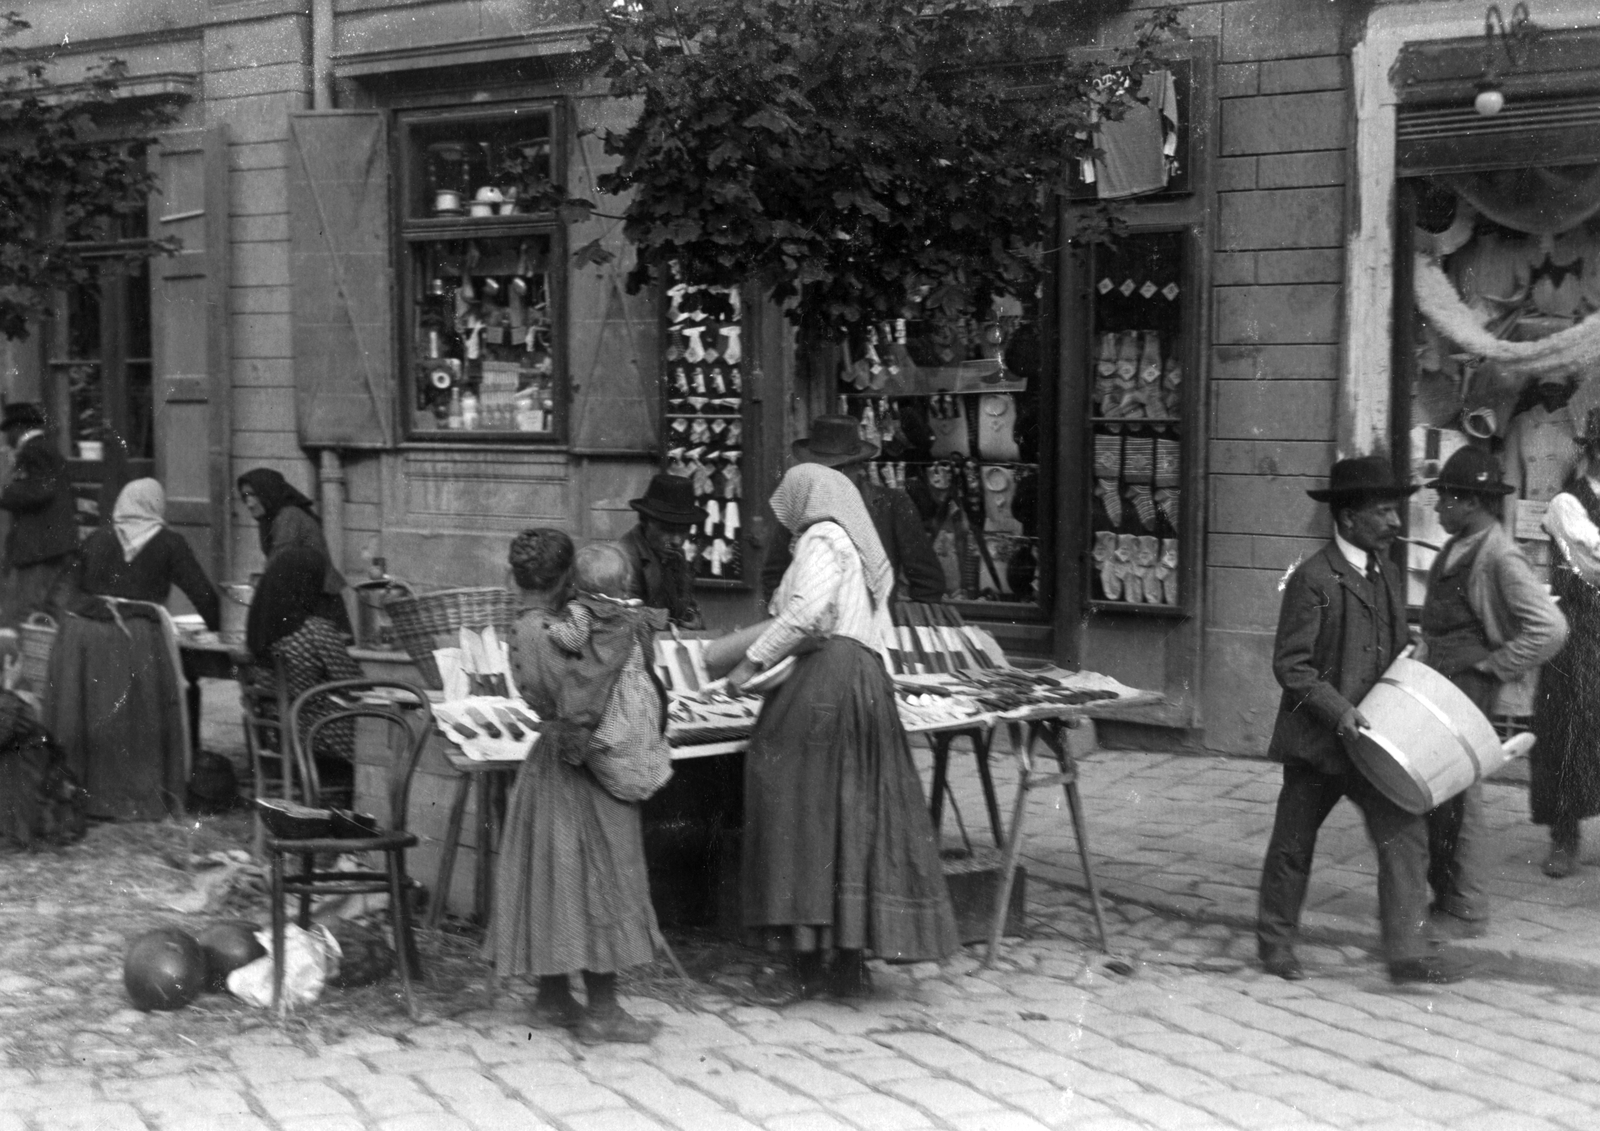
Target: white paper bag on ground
[[311, 960]]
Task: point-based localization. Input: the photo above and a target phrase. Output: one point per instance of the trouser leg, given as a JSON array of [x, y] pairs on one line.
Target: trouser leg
[[1455, 829], [1401, 840], [1304, 802]]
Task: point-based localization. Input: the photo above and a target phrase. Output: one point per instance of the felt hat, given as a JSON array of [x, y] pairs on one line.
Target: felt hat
[[22, 415], [1589, 438], [669, 499], [1474, 471], [834, 442], [1362, 477]]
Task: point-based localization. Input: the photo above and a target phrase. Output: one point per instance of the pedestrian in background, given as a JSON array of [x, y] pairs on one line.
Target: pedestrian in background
[[1341, 624], [1564, 782], [43, 540], [1487, 622]]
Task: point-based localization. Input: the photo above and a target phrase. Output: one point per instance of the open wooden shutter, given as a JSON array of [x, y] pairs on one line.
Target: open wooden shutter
[[189, 339], [342, 285], [614, 350]]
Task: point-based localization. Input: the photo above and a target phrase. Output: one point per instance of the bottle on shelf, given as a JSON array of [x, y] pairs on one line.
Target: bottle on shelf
[[469, 409]]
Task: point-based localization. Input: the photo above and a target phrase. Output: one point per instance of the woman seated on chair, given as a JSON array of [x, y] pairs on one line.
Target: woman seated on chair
[[285, 521], [571, 892], [115, 695], [287, 630]]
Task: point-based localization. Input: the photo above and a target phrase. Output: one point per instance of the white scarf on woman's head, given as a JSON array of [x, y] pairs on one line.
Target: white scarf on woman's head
[[811, 493], [140, 513]]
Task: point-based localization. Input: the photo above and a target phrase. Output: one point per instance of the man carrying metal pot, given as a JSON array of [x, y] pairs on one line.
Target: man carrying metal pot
[[1487, 623], [1342, 623]]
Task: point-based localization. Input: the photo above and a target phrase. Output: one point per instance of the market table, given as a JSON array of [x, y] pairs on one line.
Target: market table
[[207, 655]]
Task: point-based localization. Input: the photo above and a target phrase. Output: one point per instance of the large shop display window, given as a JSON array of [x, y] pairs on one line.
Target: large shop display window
[[481, 275], [953, 405], [1136, 421], [1504, 269]]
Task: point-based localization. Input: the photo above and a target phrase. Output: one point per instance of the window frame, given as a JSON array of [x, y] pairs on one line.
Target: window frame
[[412, 232]]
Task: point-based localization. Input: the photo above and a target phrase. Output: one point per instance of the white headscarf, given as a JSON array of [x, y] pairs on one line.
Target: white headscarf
[[141, 511], [811, 493]]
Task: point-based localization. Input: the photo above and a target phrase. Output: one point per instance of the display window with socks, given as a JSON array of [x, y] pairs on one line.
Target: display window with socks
[[1135, 422]]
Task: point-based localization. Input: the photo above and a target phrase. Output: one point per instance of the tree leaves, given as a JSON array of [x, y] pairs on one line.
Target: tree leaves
[[848, 155]]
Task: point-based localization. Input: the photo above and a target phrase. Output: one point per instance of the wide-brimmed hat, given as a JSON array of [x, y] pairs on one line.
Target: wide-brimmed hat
[[669, 499], [22, 415], [834, 442], [1589, 438], [1474, 471], [1365, 476]]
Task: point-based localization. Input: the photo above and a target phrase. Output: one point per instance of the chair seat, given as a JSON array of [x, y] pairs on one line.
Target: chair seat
[[383, 842]]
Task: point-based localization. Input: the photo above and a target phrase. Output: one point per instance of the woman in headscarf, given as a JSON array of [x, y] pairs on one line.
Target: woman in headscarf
[[286, 628], [285, 520], [571, 889], [115, 697], [838, 852]]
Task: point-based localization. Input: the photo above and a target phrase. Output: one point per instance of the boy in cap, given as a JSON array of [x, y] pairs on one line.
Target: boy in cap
[[1342, 623]]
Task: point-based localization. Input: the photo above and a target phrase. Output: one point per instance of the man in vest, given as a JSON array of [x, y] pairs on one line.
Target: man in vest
[[1487, 622], [1342, 623]]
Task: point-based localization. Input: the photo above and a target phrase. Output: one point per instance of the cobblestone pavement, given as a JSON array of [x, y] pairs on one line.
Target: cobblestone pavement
[[1195, 1037]]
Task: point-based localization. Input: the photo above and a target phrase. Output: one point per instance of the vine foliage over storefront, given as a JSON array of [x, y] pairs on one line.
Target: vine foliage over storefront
[[73, 179], [853, 156]]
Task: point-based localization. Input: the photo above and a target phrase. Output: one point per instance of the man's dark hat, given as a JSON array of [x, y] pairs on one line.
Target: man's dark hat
[[669, 499], [1474, 471], [22, 415], [1367, 476], [1590, 439], [834, 442]]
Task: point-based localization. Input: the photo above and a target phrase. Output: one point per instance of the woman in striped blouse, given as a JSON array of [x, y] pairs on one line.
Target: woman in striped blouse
[[838, 856]]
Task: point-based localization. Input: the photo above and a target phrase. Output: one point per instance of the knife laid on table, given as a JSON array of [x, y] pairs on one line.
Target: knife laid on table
[[482, 720], [517, 734]]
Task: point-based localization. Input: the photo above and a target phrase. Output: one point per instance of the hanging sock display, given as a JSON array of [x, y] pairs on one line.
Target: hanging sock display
[[1168, 569], [1111, 498], [733, 351], [1127, 570], [1145, 559], [1105, 555]]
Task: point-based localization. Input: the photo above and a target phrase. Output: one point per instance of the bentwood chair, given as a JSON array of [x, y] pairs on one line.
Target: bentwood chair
[[409, 718]]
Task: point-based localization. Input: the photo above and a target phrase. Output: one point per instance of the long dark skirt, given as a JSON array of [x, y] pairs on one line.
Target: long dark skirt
[[836, 826], [115, 707], [1564, 765], [571, 890]]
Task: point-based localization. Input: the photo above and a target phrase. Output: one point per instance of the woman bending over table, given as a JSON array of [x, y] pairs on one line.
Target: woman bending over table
[[571, 891], [115, 697], [286, 623], [838, 851]]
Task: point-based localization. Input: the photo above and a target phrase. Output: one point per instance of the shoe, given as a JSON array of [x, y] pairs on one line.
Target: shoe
[[558, 1014], [1438, 969], [1444, 925], [615, 1026], [849, 978], [1281, 960], [1560, 864], [780, 987]]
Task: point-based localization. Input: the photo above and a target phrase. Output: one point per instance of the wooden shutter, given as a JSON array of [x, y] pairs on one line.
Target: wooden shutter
[[614, 350], [189, 339], [341, 278]]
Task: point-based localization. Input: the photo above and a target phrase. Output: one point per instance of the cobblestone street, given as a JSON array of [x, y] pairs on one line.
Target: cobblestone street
[[1195, 1037]]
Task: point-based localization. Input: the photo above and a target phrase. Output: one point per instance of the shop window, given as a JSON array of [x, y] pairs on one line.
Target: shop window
[[954, 405], [97, 387], [482, 279], [1136, 422]]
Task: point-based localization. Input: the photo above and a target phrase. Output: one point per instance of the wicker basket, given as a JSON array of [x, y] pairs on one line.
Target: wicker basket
[[433, 620], [38, 637]]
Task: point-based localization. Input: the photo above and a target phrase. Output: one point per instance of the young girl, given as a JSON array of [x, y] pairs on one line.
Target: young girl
[[572, 891]]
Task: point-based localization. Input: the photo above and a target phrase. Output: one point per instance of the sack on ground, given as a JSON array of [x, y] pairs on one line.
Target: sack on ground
[[311, 961], [41, 801]]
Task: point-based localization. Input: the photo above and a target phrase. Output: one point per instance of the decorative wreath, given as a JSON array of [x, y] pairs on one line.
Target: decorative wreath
[[1567, 351]]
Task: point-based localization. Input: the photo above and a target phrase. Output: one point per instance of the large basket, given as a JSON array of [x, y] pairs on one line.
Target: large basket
[[38, 637], [433, 620]]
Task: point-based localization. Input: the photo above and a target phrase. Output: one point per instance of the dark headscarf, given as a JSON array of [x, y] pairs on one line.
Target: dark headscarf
[[290, 591], [275, 493]]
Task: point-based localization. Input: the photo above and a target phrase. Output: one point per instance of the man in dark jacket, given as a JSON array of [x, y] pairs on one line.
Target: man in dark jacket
[[667, 515], [44, 528], [1342, 623], [836, 442]]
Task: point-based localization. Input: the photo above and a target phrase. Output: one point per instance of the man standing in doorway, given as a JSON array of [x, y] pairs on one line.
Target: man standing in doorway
[[1487, 620], [1342, 623], [44, 531]]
